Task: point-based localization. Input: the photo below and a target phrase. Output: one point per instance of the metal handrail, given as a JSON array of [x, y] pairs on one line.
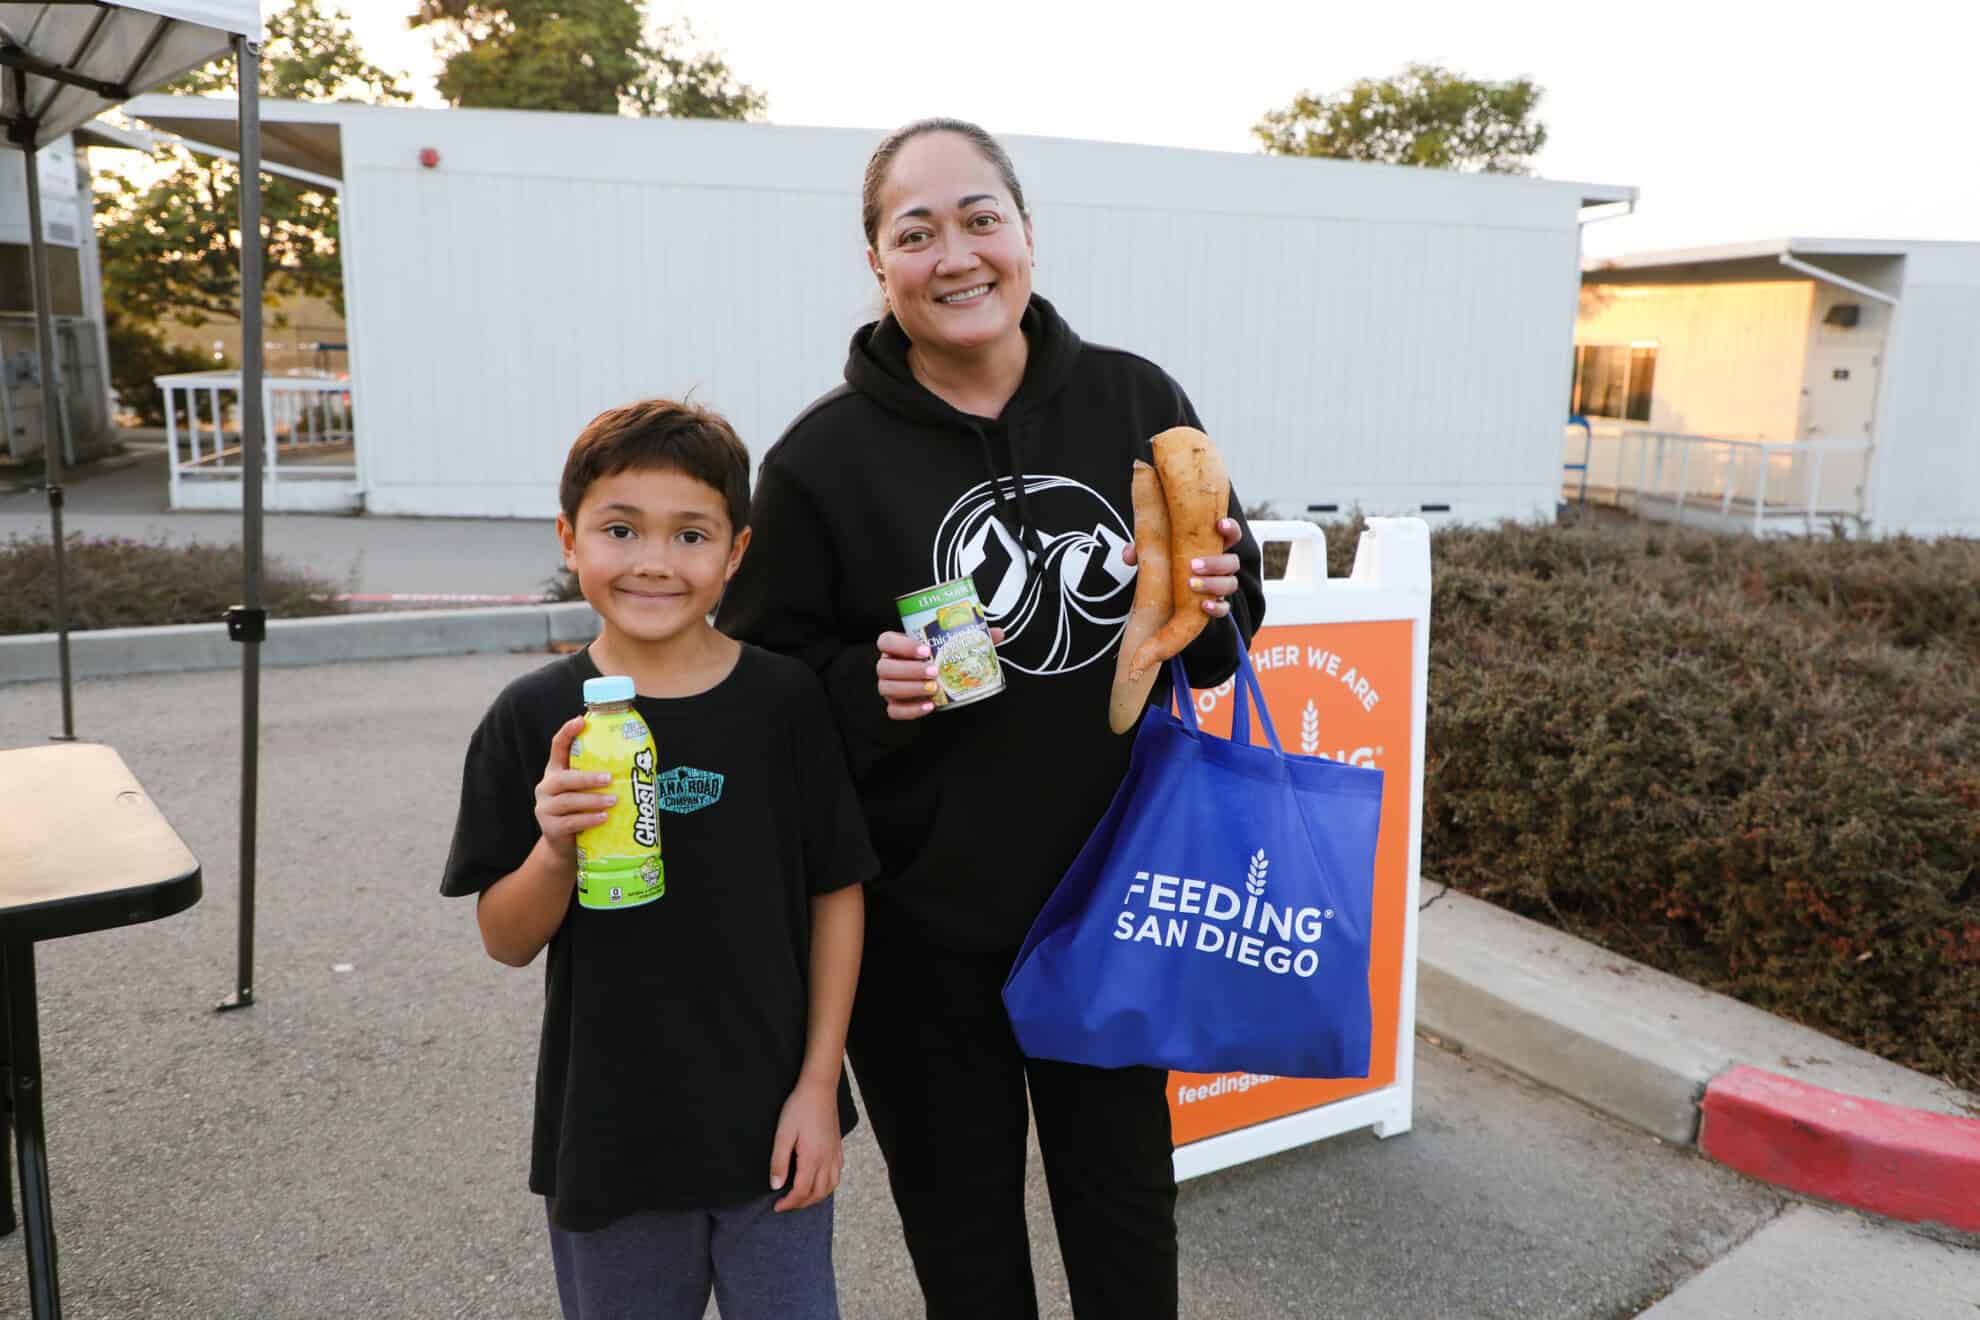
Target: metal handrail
[[297, 413], [1724, 460]]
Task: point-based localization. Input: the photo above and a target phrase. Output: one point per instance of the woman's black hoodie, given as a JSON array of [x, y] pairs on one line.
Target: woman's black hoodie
[[881, 488]]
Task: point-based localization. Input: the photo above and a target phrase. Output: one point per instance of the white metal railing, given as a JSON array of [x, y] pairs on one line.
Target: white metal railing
[[307, 431], [1716, 480]]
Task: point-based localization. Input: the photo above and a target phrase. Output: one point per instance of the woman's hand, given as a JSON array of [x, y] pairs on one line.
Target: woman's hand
[[906, 670], [1214, 577]]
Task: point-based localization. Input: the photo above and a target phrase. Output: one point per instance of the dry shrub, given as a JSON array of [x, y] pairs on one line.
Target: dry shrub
[[115, 582]]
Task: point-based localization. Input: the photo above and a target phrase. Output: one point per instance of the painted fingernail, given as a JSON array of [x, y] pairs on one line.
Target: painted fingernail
[[1196, 564], [1196, 584], [611, 798], [929, 688], [927, 706], [928, 672], [921, 651]]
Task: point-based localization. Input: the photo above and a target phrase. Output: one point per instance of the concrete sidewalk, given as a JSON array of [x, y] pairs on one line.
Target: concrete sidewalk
[[1778, 1100]]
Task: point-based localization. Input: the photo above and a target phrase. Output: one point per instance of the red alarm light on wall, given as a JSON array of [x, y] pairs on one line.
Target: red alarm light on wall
[[429, 157]]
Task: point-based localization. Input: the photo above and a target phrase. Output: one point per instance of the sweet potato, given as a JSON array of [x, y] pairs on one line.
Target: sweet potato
[[1197, 490], [1152, 600]]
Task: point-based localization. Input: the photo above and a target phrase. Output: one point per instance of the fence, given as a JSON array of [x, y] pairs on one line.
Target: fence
[[309, 458], [1716, 481]]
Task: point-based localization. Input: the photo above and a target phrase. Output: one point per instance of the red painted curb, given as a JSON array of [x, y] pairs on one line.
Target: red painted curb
[[1904, 1163]]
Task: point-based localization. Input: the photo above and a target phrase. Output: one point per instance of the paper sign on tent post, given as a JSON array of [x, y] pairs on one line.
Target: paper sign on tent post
[[1343, 664]]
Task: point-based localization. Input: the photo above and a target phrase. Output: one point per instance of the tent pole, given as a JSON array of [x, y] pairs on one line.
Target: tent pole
[[51, 400], [247, 622]]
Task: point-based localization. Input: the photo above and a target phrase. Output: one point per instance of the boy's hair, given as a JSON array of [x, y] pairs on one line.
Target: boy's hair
[[659, 434]]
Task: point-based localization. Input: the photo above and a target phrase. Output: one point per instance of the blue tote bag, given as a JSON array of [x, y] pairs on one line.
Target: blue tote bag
[[1217, 919]]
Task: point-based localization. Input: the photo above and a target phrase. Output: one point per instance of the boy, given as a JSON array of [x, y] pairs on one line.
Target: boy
[[691, 1047]]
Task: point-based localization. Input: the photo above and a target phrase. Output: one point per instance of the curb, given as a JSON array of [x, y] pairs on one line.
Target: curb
[[1904, 1163], [1779, 1101], [178, 648]]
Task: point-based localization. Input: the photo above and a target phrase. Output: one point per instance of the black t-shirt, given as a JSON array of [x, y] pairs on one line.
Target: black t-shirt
[[674, 1032]]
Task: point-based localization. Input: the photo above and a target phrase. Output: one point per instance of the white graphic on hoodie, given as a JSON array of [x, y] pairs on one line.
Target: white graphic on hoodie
[[1071, 612]]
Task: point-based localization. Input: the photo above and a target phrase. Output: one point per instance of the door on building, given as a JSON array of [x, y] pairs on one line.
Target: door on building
[[1839, 402]]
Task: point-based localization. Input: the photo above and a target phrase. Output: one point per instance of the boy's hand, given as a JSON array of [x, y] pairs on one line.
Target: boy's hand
[[565, 803], [809, 1125]]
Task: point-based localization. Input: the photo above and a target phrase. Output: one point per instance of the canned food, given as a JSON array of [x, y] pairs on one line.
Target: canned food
[[949, 618]]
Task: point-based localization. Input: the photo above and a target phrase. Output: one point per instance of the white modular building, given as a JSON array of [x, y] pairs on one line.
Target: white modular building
[[1788, 384], [1355, 336], [76, 288]]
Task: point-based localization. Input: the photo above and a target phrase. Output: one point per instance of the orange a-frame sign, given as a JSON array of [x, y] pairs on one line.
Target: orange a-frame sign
[[1342, 665]]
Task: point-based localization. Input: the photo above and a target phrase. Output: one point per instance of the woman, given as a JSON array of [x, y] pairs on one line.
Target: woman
[[976, 435]]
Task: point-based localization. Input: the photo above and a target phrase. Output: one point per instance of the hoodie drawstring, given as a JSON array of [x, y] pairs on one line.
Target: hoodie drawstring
[[1024, 532]]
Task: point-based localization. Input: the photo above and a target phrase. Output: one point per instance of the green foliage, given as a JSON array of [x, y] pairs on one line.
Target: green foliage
[[168, 245], [116, 582], [308, 54], [139, 353], [1755, 765], [584, 56], [1426, 115]]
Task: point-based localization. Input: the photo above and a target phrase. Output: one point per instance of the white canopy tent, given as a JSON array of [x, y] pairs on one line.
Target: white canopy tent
[[71, 60], [63, 62]]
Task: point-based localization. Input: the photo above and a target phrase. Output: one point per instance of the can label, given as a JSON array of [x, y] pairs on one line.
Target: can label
[[950, 619]]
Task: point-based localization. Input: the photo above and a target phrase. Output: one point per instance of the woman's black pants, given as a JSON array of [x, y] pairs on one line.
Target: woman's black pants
[[944, 1088]]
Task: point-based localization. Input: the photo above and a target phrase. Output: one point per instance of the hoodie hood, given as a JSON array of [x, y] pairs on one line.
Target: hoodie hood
[[877, 366]]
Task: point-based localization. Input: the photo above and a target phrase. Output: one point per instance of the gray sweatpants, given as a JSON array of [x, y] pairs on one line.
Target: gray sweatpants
[[661, 1265]]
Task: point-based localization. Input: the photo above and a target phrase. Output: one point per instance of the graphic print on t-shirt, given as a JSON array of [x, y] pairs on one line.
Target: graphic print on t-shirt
[[1072, 611], [684, 789]]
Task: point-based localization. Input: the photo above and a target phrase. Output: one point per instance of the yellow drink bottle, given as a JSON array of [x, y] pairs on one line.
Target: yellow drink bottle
[[619, 861]]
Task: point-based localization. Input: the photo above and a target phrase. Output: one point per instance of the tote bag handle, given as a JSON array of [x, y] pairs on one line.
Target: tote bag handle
[[1244, 693]]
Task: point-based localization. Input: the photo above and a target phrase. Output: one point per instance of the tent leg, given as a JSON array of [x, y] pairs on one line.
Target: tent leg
[[8, 1221], [51, 398], [247, 622]]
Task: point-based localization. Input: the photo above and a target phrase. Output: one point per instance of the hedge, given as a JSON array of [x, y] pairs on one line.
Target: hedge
[[1753, 764]]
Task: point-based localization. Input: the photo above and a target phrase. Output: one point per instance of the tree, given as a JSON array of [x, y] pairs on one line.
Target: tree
[[308, 55], [168, 243], [1426, 115], [587, 56]]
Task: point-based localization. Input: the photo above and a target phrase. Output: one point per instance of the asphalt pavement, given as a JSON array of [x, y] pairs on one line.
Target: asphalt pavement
[[354, 1144]]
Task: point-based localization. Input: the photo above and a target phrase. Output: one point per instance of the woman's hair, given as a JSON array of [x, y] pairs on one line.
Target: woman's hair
[[883, 160]]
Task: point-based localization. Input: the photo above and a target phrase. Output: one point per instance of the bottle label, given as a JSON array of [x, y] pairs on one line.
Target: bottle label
[[619, 862]]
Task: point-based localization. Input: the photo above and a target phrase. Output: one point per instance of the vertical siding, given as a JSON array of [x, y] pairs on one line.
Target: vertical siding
[[1351, 335], [1730, 359], [1927, 475]]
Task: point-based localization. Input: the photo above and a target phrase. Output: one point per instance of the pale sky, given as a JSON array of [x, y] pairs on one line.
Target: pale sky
[[1739, 119]]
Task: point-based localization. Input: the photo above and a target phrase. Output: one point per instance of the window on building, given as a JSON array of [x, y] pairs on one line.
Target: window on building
[[1614, 380]]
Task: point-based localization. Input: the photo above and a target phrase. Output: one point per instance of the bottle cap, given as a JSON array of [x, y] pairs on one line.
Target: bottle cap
[[613, 687]]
